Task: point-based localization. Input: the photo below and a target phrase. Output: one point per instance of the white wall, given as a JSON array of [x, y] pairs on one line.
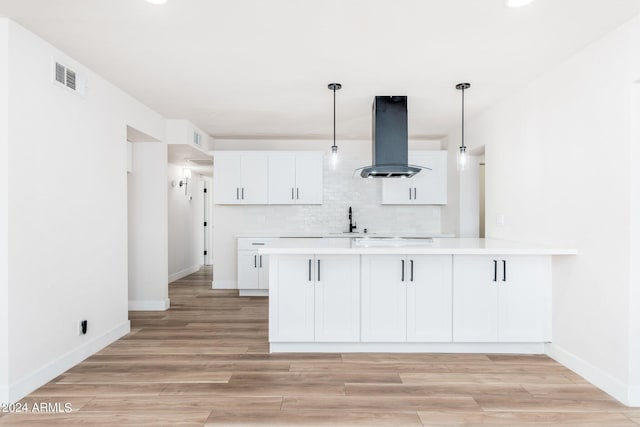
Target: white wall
[[557, 156], [148, 223], [634, 215], [4, 212], [185, 224], [341, 190], [67, 211]]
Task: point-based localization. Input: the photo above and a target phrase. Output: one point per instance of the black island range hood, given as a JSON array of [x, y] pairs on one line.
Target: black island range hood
[[390, 140]]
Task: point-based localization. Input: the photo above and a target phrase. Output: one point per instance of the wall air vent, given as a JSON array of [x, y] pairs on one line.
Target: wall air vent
[[197, 139], [68, 78]]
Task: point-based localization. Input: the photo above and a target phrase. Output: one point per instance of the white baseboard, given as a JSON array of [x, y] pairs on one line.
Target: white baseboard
[[183, 273], [224, 284], [150, 305], [253, 292], [405, 347], [630, 396], [31, 382]]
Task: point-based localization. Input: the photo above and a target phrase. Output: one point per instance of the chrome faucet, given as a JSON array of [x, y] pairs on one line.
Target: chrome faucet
[[352, 225]]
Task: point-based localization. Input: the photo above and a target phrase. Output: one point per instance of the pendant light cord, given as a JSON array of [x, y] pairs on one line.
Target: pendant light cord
[[334, 116], [463, 116]]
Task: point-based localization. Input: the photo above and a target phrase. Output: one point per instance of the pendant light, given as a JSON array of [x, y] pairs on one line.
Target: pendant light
[[334, 148], [462, 152]]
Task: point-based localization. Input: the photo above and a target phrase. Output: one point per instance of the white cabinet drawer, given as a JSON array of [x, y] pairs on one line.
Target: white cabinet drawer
[[253, 243]]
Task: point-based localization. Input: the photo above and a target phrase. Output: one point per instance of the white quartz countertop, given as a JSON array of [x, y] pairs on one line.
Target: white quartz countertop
[[411, 246], [319, 235]]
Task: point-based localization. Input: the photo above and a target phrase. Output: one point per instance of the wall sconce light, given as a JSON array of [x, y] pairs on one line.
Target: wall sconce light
[[184, 182]]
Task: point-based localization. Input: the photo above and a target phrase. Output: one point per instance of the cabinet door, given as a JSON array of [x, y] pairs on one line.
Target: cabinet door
[[384, 298], [524, 299], [396, 191], [255, 188], [263, 271], [291, 298], [248, 270], [475, 298], [429, 186], [309, 179], [227, 179], [282, 179], [429, 298], [337, 298]]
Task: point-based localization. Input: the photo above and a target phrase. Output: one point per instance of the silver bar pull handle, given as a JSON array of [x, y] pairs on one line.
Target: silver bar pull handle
[[504, 270], [495, 270], [310, 269], [318, 270], [260, 261], [255, 261], [403, 270], [411, 264]]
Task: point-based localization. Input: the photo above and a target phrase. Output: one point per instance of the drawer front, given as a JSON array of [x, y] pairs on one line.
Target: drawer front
[[253, 243]]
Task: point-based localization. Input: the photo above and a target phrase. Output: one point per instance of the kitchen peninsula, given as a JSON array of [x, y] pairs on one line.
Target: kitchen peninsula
[[409, 295]]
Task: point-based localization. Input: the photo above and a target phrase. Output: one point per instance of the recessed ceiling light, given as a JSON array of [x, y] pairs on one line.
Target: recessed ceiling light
[[515, 3], [157, 1]]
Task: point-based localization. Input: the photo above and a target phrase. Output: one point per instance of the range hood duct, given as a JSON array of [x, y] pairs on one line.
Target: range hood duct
[[390, 140]]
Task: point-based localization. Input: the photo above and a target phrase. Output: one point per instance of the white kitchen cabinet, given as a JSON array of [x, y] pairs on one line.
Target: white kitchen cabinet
[[317, 298], [291, 302], [337, 298], [384, 298], [429, 298], [406, 298], [501, 298], [295, 178], [252, 267], [240, 178], [429, 187]]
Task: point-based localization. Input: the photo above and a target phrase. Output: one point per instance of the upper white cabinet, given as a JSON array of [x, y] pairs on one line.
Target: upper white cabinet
[[501, 298], [256, 178], [240, 178], [429, 187], [295, 178]]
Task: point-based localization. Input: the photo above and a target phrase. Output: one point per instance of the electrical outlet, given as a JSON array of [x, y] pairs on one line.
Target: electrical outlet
[[500, 219], [82, 327]]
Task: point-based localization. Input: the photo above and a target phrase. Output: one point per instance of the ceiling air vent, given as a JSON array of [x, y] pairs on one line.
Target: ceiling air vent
[[197, 139], [68, 78]]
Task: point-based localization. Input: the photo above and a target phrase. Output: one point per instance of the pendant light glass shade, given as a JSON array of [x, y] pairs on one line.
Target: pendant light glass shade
[[334, 147], [463, 157]]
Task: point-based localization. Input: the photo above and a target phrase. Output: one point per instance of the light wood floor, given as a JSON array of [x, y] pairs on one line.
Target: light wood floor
[[206, 362]]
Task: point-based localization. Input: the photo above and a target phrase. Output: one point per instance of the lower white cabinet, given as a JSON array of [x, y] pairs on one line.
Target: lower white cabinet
[[501, 298], [317, 298], [406, 298], [429, 298], [384, 298], [253, 268]]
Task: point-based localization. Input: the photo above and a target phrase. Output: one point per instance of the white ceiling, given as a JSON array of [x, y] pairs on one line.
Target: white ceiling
[[260, 68]]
